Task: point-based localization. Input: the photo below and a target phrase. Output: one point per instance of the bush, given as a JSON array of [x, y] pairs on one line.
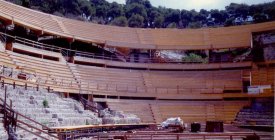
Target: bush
[[45, 103], [195, 58]]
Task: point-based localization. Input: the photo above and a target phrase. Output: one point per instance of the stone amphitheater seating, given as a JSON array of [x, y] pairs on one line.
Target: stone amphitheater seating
[[260, 113], [61, 111], [3, 132]]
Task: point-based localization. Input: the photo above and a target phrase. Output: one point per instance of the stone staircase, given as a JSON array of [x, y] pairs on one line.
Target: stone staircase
[[3, 132], [49, 109], [260, 113]]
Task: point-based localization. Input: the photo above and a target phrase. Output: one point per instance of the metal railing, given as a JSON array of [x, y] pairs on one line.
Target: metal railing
[[11, 120], [102, 56], [89, 86]]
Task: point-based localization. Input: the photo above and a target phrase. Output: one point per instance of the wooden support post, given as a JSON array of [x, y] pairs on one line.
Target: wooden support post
[[26, 86], [37, 87], [178, 137], [231, 138], [13, 85], [48, 88]]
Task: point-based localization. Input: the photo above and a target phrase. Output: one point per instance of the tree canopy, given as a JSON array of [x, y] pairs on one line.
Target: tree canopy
[[140, 13]]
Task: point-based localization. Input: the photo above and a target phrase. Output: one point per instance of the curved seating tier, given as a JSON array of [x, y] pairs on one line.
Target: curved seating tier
[[192, 39], [52, 73], [72, 78], [189, 111], [263, 76]]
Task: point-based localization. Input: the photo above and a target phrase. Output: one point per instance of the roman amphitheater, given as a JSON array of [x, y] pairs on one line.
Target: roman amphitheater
[[69, 79]]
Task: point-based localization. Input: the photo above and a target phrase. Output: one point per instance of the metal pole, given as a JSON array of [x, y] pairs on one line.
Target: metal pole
[[5, 111]]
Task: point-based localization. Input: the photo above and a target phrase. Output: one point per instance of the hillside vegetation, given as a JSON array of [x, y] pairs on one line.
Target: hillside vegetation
[[140, 13]]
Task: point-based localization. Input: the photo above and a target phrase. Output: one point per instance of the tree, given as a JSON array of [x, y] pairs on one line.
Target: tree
[[86, 8], [26, 3], [195, 25], [136, 20], [258, 18], [135, 8], [120, 21], [229, 22], [173, 16], [115, 10], [158, 21], [238, 10], [186, 17], [219, 16], [172, 25]]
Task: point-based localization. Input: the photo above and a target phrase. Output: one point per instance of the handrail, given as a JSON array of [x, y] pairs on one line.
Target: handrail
[[33, 133], [78, 53], [87, 104], [126, 87], [151, 135], [9, 109]]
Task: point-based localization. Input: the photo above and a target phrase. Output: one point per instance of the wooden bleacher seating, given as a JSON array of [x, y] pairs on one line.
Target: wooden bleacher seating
[[132, 37], [52, 73], [189, 111]]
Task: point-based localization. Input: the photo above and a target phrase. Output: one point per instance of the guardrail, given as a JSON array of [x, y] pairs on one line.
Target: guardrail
[[113, 57], [11, 120], [88, 86]]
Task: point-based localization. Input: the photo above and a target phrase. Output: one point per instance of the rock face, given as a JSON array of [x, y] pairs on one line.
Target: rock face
[[118, 117]]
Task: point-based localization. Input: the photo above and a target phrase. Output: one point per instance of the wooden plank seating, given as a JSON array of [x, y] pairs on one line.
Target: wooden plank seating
[[189, 111], [263, 76], [142, 110], [198, 39], [55, 74]]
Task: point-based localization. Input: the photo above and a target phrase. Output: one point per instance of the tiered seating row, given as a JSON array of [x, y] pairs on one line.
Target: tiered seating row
[[108, 80], [142, 110], [53, 73], [263, 76], [188, 111], [130, 37]]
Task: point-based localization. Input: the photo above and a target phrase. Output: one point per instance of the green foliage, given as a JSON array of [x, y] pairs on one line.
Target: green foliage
[[158, 21], [229, 22], [115, 10], [120, 21], [172, 25], [195, 25], [194, 58], [136, 20], [45, 103], [135, 11]]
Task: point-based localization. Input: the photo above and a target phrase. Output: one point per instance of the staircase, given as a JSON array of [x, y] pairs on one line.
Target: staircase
[[35, 118], [3, 133], [156, 113]]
